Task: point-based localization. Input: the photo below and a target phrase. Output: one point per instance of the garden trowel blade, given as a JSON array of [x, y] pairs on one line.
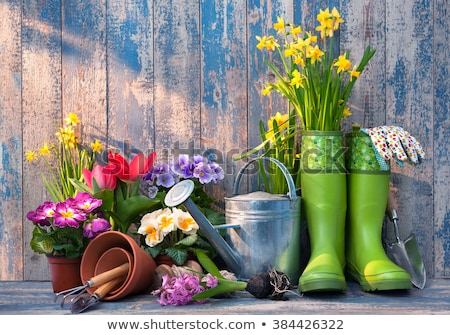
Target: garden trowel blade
[[82, 303], [406, 255]]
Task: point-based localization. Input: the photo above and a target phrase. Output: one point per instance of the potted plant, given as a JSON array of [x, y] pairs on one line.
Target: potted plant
[[62, 228], [62, 232]]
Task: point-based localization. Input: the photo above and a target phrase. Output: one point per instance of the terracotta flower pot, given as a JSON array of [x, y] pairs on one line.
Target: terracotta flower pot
[[142, 268], [110, 259], [64, 272]]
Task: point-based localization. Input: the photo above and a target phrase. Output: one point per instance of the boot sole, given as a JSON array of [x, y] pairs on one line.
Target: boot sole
[[323, 285], [385, 285], [381, 285]]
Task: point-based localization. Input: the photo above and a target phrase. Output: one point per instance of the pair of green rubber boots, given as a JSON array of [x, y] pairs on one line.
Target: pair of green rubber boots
[[344, 200]]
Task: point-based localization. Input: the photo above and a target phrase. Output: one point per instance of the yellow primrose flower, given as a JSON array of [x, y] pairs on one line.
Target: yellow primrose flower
[[44, 150], [184, 221], [31, 155], [96, 146], [342, 63], [166, 222], [72, 119], [153, 235]]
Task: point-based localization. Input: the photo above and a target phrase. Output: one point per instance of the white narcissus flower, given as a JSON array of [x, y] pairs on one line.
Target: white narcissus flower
[[184, 221]]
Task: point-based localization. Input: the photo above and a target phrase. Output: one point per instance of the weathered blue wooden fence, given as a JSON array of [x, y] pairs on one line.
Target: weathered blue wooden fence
[[184, 75]]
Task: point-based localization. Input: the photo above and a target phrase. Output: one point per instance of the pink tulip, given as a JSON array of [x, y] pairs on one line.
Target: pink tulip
[[139, 165], [102, 175]]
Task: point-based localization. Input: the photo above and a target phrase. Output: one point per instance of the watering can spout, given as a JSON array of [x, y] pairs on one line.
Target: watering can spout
[[179, 195]]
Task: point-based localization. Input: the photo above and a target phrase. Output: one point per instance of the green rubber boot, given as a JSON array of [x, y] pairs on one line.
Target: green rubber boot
[[367, 191], [324, 199]]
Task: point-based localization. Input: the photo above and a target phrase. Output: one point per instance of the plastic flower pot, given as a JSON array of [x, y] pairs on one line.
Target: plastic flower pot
[[142, 268]]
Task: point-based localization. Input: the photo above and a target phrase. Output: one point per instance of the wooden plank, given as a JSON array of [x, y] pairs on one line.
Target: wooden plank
[[36, 298], [441, 134], [177, 77], [41, 109], [11, 143], [130, 77], [409, 104], [261, 15], [224, 88], [363, 26], [84, 67]]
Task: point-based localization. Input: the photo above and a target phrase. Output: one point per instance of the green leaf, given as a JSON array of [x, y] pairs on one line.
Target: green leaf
[[224, 286], [179, 256], [80, 186], [41, 242], [207, 263], [188, 240], [128, 210]]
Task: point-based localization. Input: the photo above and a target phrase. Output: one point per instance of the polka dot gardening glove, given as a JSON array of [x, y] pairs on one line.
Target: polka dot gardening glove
[[391, 142]]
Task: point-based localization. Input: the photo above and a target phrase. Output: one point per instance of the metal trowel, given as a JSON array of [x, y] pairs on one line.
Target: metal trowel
[[405, 253]]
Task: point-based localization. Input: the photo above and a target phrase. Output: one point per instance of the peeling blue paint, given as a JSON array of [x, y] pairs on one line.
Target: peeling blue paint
[[400, 86]]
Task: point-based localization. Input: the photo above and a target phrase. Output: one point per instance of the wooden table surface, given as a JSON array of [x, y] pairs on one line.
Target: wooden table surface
[[32, 297]]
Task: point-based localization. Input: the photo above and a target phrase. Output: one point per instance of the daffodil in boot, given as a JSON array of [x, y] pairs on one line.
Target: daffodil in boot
[[324, 198]]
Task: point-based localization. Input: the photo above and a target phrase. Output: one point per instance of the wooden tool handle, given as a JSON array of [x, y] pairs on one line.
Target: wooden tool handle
[[107, 276], [104, 289]]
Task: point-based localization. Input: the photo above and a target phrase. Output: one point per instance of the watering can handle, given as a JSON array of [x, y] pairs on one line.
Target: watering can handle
[[292, 191]]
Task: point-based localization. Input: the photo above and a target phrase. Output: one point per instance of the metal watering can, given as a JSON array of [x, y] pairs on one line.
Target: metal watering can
[[263, 229]]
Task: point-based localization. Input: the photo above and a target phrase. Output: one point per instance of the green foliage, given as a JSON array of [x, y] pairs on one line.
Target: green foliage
[[68, 242]]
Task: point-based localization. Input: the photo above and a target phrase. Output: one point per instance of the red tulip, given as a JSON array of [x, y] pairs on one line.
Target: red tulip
[[137, 168], [102, 175]]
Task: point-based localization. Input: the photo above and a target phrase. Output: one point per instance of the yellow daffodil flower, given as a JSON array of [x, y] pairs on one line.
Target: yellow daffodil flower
[[262, 42], [354, 73], [337, 18], [31, 155], [343, 64], [72, 119], [44, 150], [315, 54], [297, 79], [96, 146], [279, 25], [267, 90], [347, 113], [296, 30]]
